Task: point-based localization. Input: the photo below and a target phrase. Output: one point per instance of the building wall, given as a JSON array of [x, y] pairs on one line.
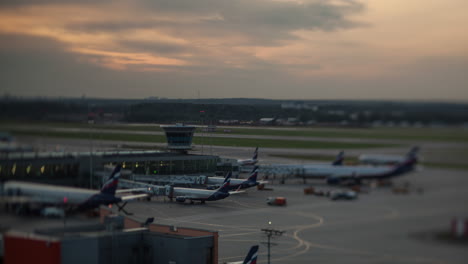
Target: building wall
[[22, 248], [208, 248], [169, 248], [80, 250], [178, 231], [116, 247], [119, 247]]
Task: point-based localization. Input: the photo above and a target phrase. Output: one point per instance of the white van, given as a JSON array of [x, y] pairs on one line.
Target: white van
[[53, 212]]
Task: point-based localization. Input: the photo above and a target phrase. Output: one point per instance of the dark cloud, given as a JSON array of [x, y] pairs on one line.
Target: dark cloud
[[49, 71], [261, 22], [52, 72]]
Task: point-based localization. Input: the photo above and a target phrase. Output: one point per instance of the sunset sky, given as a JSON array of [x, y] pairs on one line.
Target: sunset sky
[[279, 49]]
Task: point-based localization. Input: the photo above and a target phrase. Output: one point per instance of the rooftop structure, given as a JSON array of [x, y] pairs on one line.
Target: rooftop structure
[[179, 137], [118, 240]]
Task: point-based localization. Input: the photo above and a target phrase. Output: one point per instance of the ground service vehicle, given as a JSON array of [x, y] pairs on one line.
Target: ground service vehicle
[[276, 201], [343, 195]]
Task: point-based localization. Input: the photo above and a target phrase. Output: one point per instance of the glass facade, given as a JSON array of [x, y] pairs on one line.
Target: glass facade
[[179, 137], [172, 167], [76, 169], [35, 170]]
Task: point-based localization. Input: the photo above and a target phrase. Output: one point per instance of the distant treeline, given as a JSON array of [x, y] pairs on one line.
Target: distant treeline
[[206, 113], [210, 111]]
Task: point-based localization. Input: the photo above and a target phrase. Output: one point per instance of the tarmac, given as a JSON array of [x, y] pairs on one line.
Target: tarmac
[[378, 227]]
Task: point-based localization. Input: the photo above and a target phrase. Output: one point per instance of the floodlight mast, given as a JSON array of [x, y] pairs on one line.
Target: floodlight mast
[[271, 232]]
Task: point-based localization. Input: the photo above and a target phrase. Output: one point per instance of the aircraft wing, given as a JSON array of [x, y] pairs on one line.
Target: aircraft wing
[[187, 197], [236, 192], [29, 200], [132, 190], [133, 197], [17, 199]]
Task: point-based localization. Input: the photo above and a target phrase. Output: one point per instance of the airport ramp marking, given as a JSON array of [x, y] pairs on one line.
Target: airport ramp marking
[[302, 242]]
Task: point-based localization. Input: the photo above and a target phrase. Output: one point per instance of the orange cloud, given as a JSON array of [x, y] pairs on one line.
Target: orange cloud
[[101, 47]]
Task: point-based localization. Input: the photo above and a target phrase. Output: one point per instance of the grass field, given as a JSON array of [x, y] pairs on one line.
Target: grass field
[[410, 134]]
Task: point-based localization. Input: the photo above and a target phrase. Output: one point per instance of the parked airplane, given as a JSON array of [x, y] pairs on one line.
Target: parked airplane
[[237, 184], [375, 159], [74, 199], [298, 169], [339, 174], [181, 194], [249, 162], [251, 257]]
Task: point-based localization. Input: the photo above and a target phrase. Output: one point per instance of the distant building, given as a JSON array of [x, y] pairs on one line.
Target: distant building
[[299, 105]]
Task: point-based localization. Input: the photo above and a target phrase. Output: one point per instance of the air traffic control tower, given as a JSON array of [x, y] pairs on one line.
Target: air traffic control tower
[[179, 137]]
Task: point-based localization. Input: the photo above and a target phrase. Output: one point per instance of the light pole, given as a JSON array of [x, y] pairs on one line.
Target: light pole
[[271, 232]]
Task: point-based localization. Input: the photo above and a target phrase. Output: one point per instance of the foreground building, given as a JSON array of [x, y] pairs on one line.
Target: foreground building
[[119, 240]]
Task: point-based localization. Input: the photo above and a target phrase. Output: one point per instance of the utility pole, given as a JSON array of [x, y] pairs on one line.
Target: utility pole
[[270, 232]]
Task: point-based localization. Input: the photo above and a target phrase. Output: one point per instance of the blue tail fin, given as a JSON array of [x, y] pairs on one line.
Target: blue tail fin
[[255, 156], [339, 159], [413, 152], [110, 186], [253, 175], [407, 165], [225, 188], [251, 257], [228, 177]]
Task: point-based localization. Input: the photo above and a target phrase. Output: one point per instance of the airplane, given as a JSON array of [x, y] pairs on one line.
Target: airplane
[[299, 169], [249, 162], [355, 174], [74, 199], [237, 184], [181, 194], [375, 159], [251, 257]]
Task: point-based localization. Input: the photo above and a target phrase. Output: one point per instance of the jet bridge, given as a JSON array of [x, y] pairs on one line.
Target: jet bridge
[[152, 190], [170, 179]]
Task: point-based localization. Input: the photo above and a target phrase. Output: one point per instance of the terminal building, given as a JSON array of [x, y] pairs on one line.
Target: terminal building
[[78, 168]]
